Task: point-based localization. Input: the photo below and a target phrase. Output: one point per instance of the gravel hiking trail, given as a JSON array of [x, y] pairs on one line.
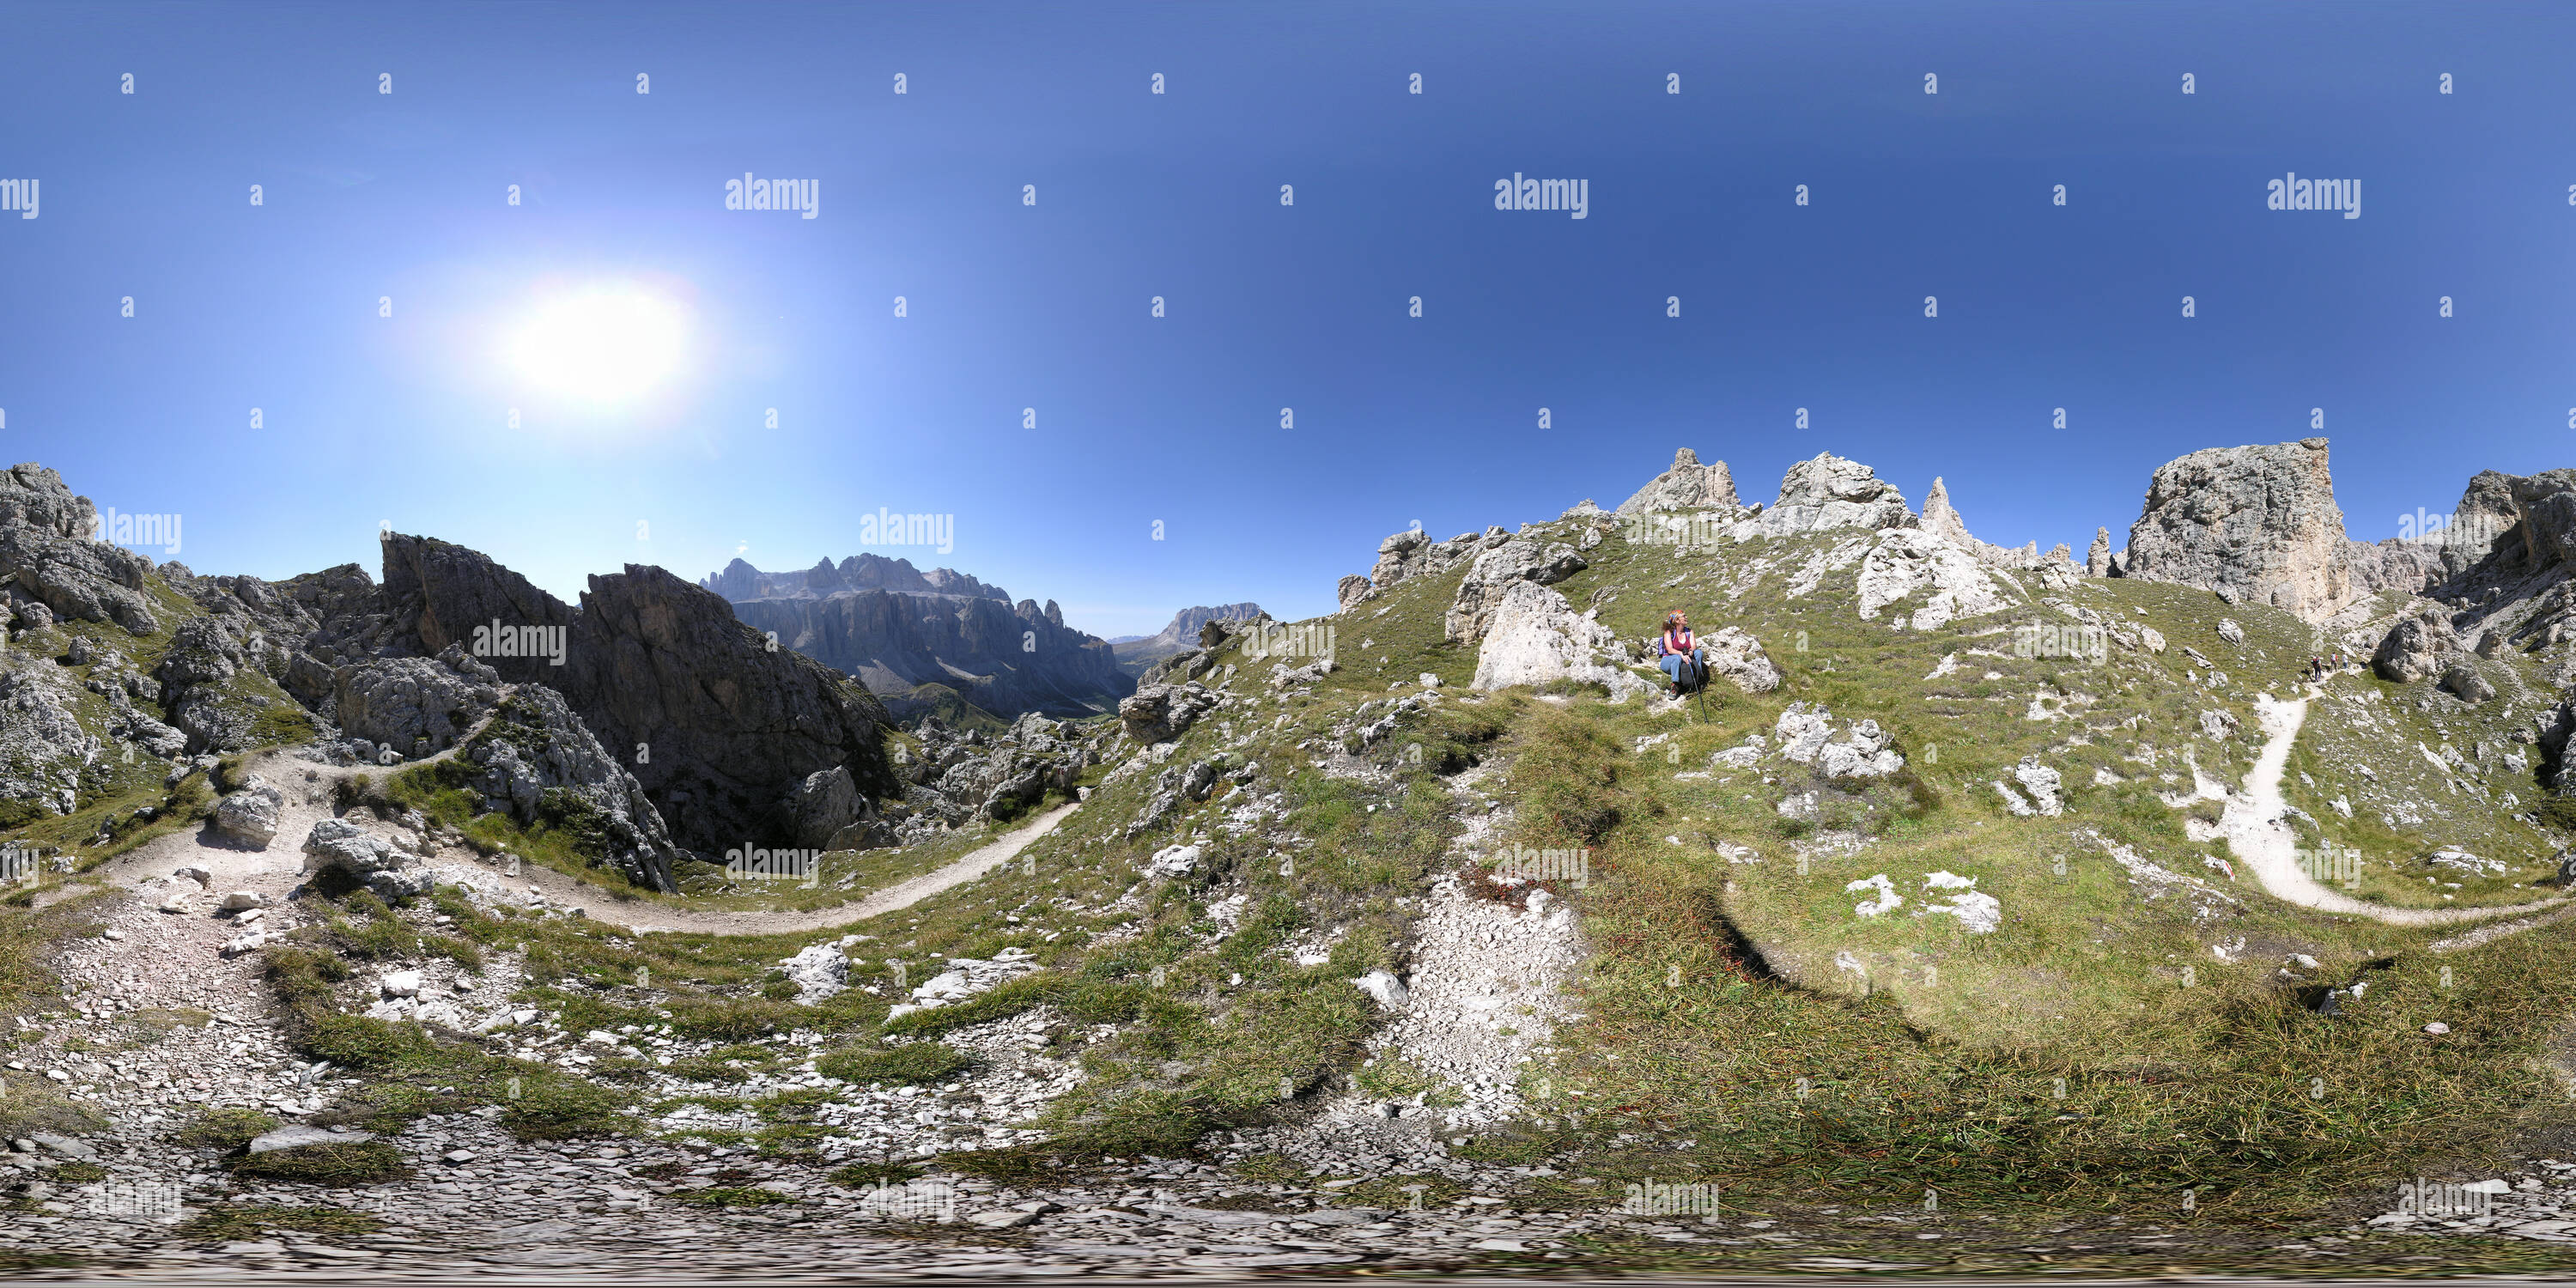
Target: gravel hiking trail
[[2257, 827], [308, 788]]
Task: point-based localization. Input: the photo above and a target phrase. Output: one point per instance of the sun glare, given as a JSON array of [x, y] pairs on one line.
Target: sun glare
[[605, 345]]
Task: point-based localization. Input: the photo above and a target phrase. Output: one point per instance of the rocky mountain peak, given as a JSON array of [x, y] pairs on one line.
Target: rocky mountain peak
[[1688, 485], [2254, 524]]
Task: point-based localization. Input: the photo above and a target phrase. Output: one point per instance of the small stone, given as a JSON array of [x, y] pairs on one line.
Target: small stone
[[2437, 1028], [401, 983]]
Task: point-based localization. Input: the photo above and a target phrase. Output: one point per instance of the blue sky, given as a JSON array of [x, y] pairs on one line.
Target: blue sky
[[368, 419]]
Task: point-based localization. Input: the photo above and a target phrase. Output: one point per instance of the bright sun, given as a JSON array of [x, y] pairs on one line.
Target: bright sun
[[604, 345]]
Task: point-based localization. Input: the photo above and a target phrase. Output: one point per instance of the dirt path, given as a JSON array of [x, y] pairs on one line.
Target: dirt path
[[902, 894], [2258, 832], [308, 790]]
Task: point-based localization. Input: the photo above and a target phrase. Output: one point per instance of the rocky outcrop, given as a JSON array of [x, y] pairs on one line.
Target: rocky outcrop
[[538, 763], [43, 749], [2253, 524], [1535, 638], [1410, 554], [47, 557], [417, 706], [2097, 561], [198, 687], [1826, 493], [1907, 560], [1688, 485], [1509, 563], [361, 856], [1804, 734], [714, 722], [959, 776]]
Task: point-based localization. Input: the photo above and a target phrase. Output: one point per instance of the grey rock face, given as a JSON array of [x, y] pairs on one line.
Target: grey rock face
[[1413, 553], [1736, 655], [1688, 485], [338, 843], [197, 680], [417, 706], [250, 815], [46, 554], [537, 760], [1162, 711], [656, 665], [1536, 638], [2097, 561], [43, 749], [822, 805], [1495, 571], [2417, 648], [2463, 681], [1830, 492], [2255, 524]]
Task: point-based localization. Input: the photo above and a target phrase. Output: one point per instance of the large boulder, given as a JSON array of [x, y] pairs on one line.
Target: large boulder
[[336, 843], [1162, 711], [2253, 524], [250, 815], [822, 805], [2418, 648], [1736, 655], [1688, 485], [1535, 638], [1513, 561]]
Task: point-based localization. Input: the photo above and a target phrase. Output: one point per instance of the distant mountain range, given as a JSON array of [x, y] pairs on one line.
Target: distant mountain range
[[912, 637], [1136, 652]]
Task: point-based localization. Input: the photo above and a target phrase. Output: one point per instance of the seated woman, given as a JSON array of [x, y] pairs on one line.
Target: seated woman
[[1679, 649]]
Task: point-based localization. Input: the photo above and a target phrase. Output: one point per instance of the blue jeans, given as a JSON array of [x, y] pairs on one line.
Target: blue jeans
[[1673, 663]]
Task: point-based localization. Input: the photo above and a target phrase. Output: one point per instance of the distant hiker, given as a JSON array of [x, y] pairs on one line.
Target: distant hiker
[[1681, 654]]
